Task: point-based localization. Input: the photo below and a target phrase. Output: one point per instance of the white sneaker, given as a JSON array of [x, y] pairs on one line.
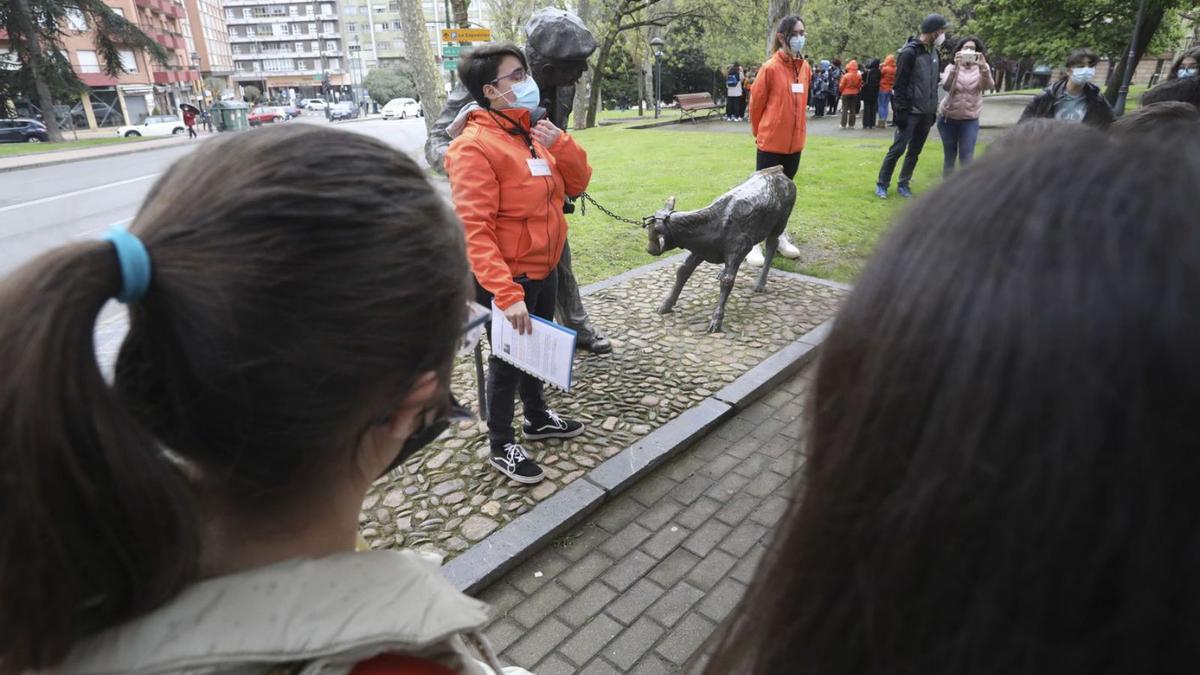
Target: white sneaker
[[755, 256], [786, 248]]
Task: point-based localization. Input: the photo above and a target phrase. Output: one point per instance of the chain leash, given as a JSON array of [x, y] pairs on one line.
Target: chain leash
[[585, 198]]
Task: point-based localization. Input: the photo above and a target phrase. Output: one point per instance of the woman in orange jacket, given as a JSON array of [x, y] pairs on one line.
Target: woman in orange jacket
[[779, 112], [510, 177], [850, 85], [887, 80]]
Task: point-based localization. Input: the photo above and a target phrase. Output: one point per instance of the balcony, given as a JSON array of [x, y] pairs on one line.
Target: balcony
[[169, 41], [173, 10], [152, 5], [175, 76]]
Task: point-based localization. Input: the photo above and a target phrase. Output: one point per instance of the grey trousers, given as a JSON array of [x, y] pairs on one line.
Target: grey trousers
[[568, 303]]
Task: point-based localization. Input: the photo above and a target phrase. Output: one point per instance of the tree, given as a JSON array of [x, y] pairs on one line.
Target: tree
[[252, 93], [1047, 30], [459, 10], [35, 32], [386, 84], [775, 13], [509, 18], [422, 67], [617, 16], [583, 88]]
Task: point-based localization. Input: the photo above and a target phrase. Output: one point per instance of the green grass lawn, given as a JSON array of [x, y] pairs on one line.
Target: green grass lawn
[[632, 113], [836, 222], [13, 149]]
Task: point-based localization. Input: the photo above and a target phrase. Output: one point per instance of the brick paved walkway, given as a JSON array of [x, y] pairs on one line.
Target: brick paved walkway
[[643, 583]]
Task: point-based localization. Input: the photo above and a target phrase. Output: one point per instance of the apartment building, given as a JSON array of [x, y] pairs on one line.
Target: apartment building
[[372, 31], [147, 87], [212, 50], [286, 48]]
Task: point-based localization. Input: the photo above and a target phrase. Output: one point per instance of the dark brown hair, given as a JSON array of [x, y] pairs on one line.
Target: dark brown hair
[[1184, 89], [979, 46], [481, 66], [1157, 117], [1082, 57], [786, 25], [1193, 53], [302, 278], [1002, 459]]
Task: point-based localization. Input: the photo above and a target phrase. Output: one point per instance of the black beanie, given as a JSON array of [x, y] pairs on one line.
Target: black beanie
[[933, 23]]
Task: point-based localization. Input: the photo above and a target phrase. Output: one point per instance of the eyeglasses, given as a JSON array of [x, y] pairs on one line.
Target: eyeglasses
[[517, 75]]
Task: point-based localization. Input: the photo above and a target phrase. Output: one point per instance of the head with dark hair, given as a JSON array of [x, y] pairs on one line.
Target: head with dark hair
[[1001, 463], [790, 25], [734, 69], [298, 325], [1183, 89], [1159, 117], [1082, 58], [490, 71], [1189, 60], [975, 42], [837, 63], [1036, 132]]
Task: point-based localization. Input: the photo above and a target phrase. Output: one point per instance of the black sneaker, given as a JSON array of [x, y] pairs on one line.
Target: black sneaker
[[552, 426], [514, 463]]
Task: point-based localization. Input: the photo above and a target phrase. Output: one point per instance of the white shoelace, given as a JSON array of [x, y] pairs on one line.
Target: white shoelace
[[514, 454], [558, 422]]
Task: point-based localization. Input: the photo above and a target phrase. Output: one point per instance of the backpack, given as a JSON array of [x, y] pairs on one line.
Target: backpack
[[732, 80]]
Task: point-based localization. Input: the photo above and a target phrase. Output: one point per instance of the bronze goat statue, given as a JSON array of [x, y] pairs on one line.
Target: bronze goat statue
[[724, 232]]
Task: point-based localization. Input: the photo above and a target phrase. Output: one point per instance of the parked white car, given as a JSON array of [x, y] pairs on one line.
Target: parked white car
[[401, 108], [312, 104], [155, 125]]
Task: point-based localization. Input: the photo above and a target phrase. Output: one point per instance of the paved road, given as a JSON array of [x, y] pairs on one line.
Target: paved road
[[44, 207]]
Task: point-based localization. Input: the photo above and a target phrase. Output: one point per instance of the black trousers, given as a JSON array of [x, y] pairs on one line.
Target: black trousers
[[191, 132], [909, 140], [819, 103], [734, 106], [870, 106], [790, 163], [503, 379]]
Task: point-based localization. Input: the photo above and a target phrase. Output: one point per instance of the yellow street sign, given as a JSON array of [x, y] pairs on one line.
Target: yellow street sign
[[466, 35]]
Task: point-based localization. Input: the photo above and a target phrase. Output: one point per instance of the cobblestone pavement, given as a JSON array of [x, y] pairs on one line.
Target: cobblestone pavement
[[642, 585], [448, 498]]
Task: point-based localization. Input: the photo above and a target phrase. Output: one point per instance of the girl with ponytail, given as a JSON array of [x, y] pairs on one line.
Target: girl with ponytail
[[292, 331]]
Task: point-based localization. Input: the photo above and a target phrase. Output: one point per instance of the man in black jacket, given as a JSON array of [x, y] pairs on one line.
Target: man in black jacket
[[915, 100], [1075, 98]]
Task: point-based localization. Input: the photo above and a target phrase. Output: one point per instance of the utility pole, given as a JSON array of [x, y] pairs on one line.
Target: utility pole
[[1127, 76], [453, 83]]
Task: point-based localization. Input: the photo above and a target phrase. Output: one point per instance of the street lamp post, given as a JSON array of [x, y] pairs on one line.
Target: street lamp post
[[658, 43], [199, 79], [1127, 76]]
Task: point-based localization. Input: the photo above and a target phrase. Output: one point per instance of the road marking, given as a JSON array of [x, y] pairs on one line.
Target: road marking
[[43, 200], [91, 234]]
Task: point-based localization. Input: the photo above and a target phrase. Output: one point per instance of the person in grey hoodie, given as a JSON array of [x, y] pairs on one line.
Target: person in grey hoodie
[[915, 102]]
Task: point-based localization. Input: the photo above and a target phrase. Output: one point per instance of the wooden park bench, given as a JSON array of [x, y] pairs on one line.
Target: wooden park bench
[[691, 105]]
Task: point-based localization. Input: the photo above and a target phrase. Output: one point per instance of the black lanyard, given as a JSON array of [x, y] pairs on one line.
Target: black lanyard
[[517, 130]]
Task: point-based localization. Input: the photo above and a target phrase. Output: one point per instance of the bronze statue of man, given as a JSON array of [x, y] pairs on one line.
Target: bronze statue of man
[[557, 47]]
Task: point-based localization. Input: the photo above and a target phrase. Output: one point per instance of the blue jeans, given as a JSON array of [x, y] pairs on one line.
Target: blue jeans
[[958, 141], [885, 100]]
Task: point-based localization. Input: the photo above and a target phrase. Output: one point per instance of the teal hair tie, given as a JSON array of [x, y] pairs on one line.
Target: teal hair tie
[[135, 264]]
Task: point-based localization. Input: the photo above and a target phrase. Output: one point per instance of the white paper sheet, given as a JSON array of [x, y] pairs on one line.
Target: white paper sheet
[[547, 354]]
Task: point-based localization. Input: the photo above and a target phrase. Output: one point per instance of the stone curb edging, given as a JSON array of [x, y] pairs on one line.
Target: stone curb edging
[[483, 563], [142, 146]]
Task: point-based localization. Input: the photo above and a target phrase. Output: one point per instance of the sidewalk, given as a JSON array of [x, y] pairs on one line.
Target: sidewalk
[[51, 157], [643, 584]]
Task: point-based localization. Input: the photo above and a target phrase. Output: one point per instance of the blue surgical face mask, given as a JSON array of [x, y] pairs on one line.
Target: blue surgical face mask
[[527, 94], [796, 43], [1082, 75], [1186, 72]]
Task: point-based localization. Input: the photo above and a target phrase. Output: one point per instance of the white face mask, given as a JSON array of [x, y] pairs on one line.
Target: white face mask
[[939, 39], [1082, 75], [1186, 72], [796, 43]]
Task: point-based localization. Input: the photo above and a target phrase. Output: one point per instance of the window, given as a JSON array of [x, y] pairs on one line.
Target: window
[[383, 44], [326, 10], [381, 26], [351, 27], [396, 26], [119, 11], [349, 10], [381, 9], [393, 6], [87, 61], [128, 61], [76, 21]]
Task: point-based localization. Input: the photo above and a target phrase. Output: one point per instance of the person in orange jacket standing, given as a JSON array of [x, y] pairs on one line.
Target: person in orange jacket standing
[[850, 85], [510, 175], [887, 80], [779, 113]]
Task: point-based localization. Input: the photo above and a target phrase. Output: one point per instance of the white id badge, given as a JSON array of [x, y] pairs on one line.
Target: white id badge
[[797, 87], [538, 167]]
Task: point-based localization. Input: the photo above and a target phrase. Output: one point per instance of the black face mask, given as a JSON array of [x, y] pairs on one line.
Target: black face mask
[[428, 433]]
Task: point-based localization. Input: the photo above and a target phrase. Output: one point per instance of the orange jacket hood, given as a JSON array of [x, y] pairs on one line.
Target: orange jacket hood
[[513, 219], [851, 82], [779, 104]]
